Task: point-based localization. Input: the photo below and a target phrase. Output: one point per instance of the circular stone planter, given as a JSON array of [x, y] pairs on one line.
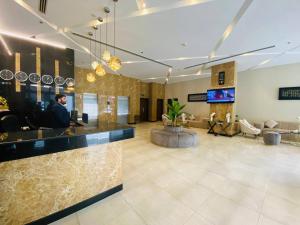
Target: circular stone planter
[[174, 137], [173, 129]]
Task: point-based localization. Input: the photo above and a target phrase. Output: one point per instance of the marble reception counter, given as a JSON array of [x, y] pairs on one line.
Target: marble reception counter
[[46, 175]]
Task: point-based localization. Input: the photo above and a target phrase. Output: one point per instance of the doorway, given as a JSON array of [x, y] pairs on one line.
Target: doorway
[[159, 109], [123, 109], [144, 109]]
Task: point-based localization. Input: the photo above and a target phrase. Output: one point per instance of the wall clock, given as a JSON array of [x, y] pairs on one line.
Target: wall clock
[[6, 75], [59, 80], [70, 82], [47, 79], [34, 78], [21, 76]]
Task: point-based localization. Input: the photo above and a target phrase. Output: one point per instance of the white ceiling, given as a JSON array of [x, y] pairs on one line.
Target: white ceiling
[[160, 29]]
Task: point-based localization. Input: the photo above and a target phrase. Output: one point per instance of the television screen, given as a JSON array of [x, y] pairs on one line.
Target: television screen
[[226, 95]]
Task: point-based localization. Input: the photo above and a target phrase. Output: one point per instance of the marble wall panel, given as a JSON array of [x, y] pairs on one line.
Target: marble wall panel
[[35, 187]]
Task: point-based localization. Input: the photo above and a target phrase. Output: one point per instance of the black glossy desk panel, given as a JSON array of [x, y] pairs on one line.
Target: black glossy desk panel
[[18, 145]]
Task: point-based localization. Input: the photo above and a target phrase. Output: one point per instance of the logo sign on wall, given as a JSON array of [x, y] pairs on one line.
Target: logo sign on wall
[[21, 76], [200, 97], [289, 93]]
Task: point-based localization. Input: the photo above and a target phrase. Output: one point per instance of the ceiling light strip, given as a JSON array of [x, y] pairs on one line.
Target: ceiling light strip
[[148, 11], [121, 49], [19, 36], [271, 59], [231, 26], [5, 46], [176, 76], [232, 56], [53, 26], [228, 31]]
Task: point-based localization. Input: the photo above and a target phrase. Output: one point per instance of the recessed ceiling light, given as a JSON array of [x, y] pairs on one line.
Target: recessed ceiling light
[[100, 19], [184, 44]]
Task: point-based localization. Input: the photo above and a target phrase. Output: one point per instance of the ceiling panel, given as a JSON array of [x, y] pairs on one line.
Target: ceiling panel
[[265, 23], [15, 19], [169, 32]]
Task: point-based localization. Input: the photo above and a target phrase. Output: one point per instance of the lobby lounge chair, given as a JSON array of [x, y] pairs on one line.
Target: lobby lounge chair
[[248, 129], [166, 121]]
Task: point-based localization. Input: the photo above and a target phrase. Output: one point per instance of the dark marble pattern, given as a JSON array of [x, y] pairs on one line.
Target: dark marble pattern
[[18, 145]]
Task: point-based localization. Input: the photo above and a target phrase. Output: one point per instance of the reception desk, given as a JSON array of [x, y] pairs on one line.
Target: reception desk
[[48, 174]]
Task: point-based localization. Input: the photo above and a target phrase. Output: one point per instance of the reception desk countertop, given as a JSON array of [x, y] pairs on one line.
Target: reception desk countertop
[[46, 175], [24, 144]]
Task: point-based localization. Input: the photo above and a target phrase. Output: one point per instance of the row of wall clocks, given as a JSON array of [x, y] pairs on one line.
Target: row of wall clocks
[[35, 78]]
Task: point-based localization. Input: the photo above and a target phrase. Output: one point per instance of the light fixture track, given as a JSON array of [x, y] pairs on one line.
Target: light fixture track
[[232, 56], [121, 49]]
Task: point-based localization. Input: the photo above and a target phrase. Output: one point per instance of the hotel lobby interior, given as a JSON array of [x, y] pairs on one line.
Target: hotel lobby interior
[[148, 112]]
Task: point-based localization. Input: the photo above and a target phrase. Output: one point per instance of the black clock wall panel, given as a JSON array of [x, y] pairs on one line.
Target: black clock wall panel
[[18, 101]]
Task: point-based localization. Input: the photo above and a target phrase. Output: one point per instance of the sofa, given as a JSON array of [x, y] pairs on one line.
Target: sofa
[[198, 122], [281, 127]]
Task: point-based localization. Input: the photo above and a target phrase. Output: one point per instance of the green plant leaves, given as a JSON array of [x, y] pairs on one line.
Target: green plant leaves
[[175, 110]]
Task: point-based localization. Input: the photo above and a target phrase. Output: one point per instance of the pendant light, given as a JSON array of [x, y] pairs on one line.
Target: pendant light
[[100, 71], [115, 62], [95, 63], [106, 53], [91, 76]]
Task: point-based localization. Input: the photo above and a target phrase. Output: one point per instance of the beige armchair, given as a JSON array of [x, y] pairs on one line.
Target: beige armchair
[[247, 128]]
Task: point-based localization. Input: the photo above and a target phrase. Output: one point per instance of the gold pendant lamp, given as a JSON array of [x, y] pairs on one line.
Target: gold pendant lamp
[[115, 63]]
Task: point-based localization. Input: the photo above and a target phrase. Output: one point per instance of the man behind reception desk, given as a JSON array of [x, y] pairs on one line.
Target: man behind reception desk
[[60, 115]]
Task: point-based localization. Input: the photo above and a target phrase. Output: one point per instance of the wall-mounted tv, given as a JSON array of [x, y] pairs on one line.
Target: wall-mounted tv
[[224, 95]]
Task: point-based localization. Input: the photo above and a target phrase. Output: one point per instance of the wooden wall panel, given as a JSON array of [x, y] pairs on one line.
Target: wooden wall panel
[[145, 90], [17, 69], [230, 75], [157, 91], [230, 81], [109, 85], [39, 72]]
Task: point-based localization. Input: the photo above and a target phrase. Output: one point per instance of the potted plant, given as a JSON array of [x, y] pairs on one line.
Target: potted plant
[[174, 111]]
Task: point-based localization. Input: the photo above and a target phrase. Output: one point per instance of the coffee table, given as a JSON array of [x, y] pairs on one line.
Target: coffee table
[[291, 137]]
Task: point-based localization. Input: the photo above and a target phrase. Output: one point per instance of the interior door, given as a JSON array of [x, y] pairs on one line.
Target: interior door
[[144, 109], [159, 109]]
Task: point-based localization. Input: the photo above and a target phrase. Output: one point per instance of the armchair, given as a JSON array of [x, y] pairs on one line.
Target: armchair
[[247, 128]]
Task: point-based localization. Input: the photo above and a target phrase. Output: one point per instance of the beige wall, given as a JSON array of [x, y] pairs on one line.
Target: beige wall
[[181, 91], [257, 93]]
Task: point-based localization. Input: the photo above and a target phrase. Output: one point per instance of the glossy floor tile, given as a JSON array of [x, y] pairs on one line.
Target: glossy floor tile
[[222, 181]]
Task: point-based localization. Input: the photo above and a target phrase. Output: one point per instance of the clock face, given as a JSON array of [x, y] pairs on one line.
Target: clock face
[[70, 82], [59, 80], [6, 75], [47, 79], [34, 78], [21, 76]]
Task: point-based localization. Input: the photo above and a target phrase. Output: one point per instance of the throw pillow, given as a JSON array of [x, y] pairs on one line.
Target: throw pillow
[[271, 124], [192, 117]]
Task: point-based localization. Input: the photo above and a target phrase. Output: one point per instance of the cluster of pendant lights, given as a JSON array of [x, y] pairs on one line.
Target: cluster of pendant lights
[[112, 61]]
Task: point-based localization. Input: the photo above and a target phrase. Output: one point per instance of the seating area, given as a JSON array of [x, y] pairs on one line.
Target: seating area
[[148, 112]]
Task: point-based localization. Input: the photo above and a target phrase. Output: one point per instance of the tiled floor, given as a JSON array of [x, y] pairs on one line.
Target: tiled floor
[[223, 181]]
